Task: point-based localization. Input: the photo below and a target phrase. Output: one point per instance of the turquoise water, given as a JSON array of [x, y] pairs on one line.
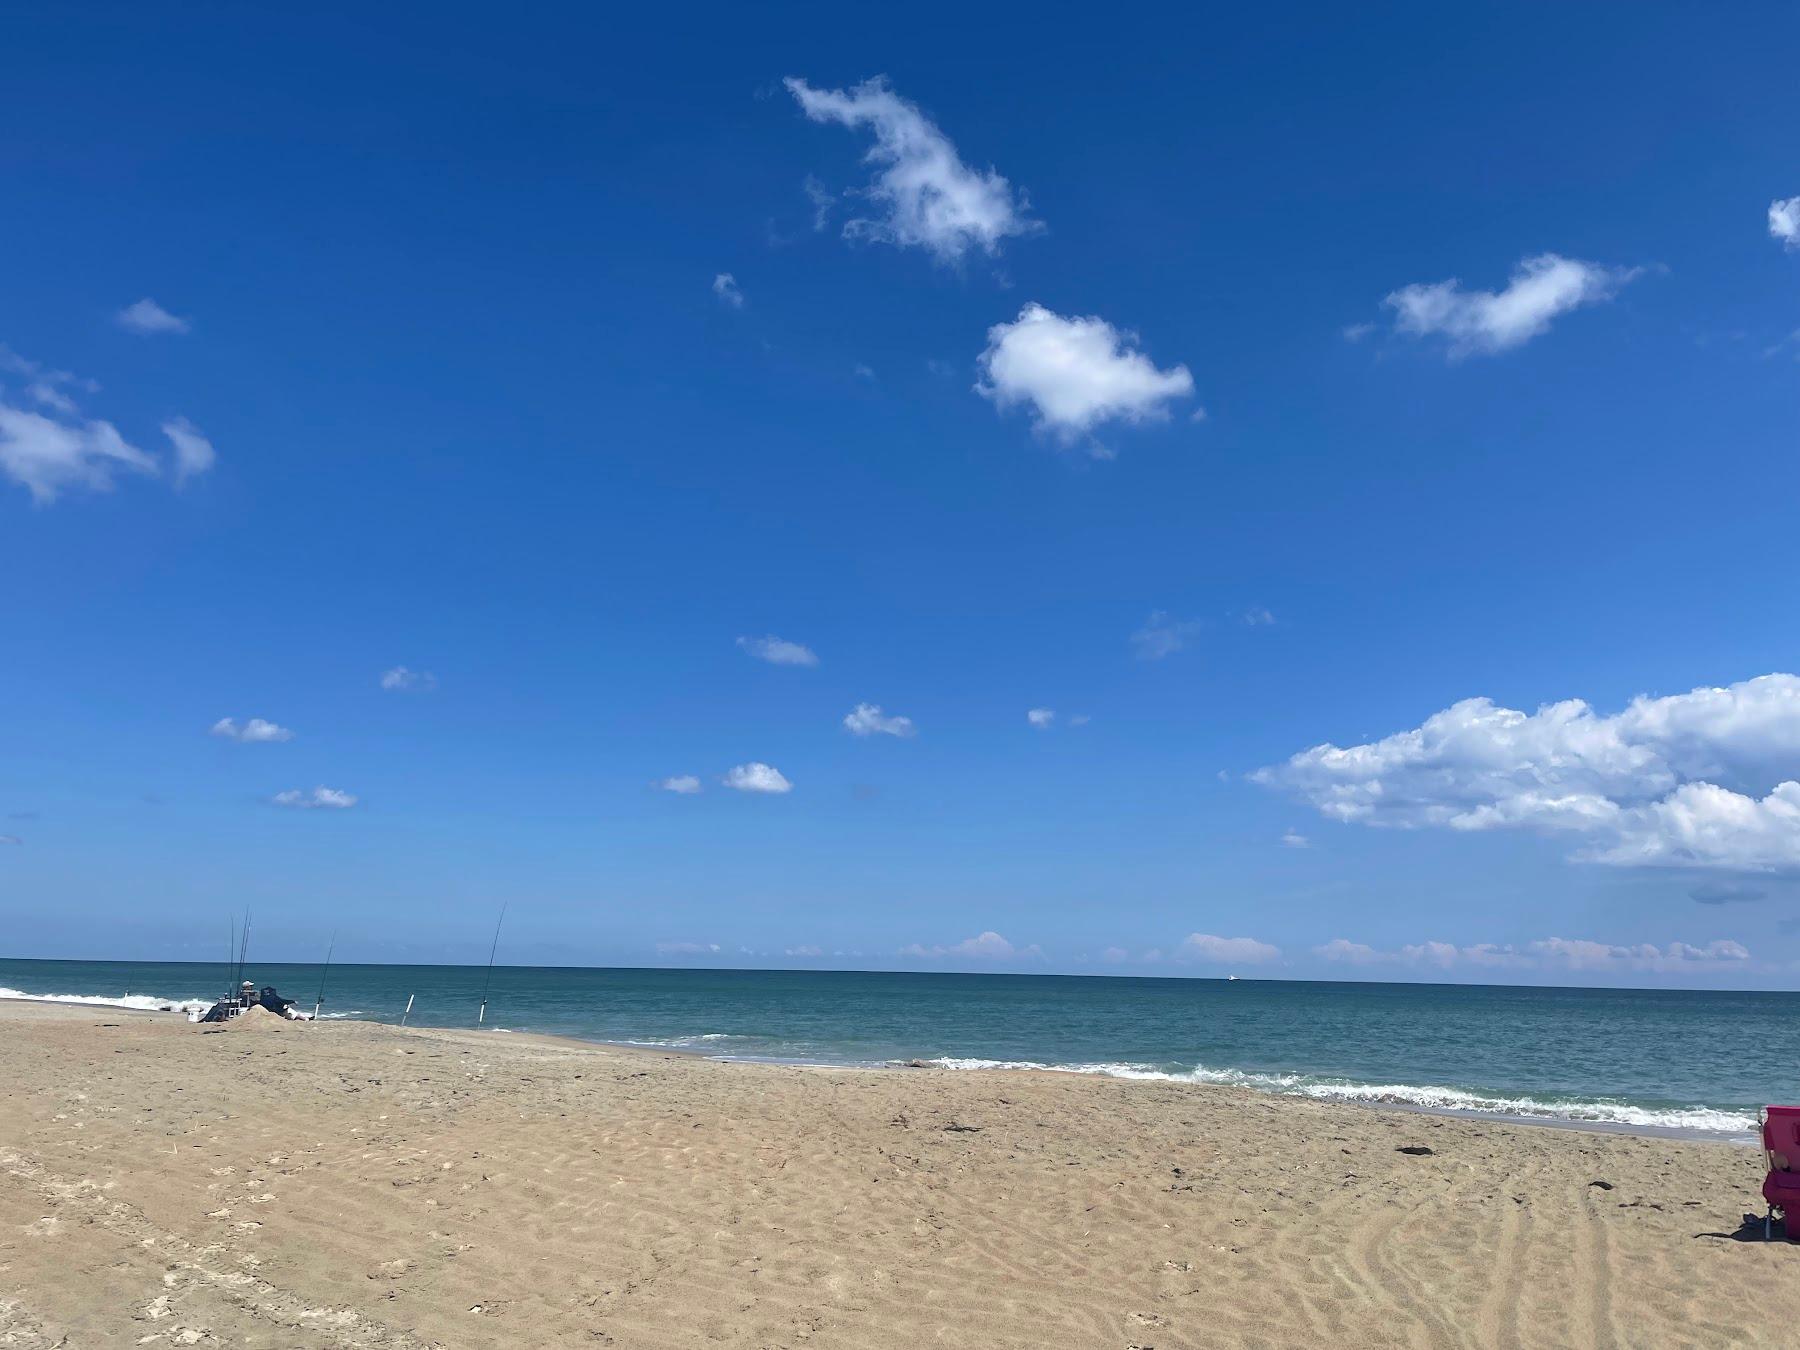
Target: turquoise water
[[1685, 1060]]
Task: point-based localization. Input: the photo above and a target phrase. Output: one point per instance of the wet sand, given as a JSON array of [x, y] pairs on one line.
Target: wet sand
[[349, 1184]]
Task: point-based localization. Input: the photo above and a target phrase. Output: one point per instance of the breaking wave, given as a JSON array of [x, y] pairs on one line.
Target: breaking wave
[[137, 1002], [1602, 1111]]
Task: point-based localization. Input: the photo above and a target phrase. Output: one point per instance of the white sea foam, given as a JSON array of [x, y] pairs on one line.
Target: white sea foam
[[1703, 1119], [139, 1002]]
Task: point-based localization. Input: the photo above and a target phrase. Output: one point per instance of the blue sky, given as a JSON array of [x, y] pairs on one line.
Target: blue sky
[[1227, 385]]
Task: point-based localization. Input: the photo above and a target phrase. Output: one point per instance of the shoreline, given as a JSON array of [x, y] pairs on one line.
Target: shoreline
[[1743, 1138]]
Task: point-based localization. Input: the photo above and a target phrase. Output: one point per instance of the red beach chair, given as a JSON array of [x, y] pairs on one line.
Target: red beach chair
[[1781, 1148]]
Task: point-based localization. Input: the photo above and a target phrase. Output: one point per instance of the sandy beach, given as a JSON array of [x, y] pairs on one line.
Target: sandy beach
[[358, 1185]]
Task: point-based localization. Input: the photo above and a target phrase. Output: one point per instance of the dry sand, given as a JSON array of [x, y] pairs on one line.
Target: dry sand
[[358, 1185]]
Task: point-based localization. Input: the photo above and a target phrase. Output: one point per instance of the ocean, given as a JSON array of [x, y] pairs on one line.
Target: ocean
[[1694, 1062]]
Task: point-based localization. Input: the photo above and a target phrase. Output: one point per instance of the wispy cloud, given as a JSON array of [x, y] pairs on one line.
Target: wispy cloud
[[1041, 718], [928, 198], [867, 719], [726, 288], [687, 948], [1224, 951], [778, 651], [10, 839], [147, 317], [1693, 780], [1544, 954], [1485, 322], [194, 454], [1163, 636], [400, 680], [319, 798], [1075, 375], [253, 732], [756, 777], [50, 455], [683, 784], [1294, 839]]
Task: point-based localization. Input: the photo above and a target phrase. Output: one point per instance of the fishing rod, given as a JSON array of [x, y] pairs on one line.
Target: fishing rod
[[481, 1016], [230, 951], [320, 1001], [243, 951]]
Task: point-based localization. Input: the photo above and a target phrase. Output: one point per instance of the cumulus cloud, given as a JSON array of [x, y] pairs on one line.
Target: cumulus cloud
[[927, 197], [1484, 322], [866, 719], [757, 777], [1075, 374], [1545, 954], [1691, 780], [147, 317], [253, 732], [194, 454], [330, 799], [685, 784], [778, 651], [1163, 636], [48, 455], [1237, 951], [726, 288], [686, 948], [1041, 718], [987, 946], [400, 680], [1784, 222]]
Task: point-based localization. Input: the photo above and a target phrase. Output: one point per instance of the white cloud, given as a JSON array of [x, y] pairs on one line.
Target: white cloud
[[1474, 322], [10, 839], [1294, 839], [1238, 951], [1163, 636], [986, 946], [193, 452], [1350, 953], [400, 680], [928, 197], [146, 316], [1041, 718], [866, 719], [331, 799], [686, 948], [778, 651], [43, 386], [756, 777], [1544, 954], [1113, 955], [1784, 222], [1258, 617], [1075, 374], [684, 784], [1690, 780], [255, 731], [47, 456], [726, 288], [807, 950], [821, 199]]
